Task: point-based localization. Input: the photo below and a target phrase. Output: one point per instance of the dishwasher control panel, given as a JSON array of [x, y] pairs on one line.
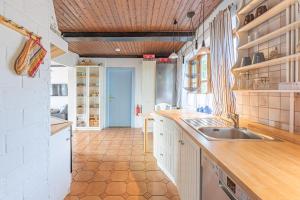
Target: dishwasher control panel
[[233, 188]]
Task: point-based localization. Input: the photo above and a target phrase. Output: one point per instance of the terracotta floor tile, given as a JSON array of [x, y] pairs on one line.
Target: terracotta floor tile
[[137, 175], [116, 188], [111, 165], [95, 188], [91, 198], [102, 176], [137, 165], [114, 198], [124, 158], [119, 175], [172, 189], [136, 188], [69, 197], [124, 152], [96, 158], [84, 176], [136, 198], [155, 175], [152, 166], [157, 188], [91, 166], [78, 188], [121, 165], [106, 166], [158, 198], [78, 165]]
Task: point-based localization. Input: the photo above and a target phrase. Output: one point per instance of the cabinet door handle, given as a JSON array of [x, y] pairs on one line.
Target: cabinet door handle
[[67, 139], [161, 154]]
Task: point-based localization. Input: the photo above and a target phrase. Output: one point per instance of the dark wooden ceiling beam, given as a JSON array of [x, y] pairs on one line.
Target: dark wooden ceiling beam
[[120, 56], [128, 36]]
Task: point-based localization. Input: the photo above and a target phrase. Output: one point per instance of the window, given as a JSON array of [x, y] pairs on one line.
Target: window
[[204, 75], [199, 74]]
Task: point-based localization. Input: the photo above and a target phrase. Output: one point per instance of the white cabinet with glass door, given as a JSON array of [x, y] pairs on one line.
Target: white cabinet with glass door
[[88, 97]]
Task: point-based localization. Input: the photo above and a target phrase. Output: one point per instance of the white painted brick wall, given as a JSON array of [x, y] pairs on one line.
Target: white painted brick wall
[[24, 107]]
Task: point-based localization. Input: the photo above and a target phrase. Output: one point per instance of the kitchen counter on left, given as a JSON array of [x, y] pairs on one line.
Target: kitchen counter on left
[[58, 124]]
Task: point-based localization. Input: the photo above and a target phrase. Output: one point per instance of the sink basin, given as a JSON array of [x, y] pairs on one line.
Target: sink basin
[[230, 134]]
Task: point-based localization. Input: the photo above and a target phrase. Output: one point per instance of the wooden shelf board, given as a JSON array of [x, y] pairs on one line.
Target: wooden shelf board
[[266, 16], [261, 91], [275, 61], [271, 35], [250, 6]]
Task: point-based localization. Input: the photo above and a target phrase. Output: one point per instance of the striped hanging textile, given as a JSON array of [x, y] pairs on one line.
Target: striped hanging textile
[[222, 60]]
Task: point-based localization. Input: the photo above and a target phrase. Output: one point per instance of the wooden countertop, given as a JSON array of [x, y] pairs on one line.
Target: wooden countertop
[[58, 124], [268, 170]]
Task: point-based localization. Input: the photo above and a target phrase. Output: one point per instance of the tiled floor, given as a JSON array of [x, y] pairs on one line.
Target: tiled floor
[[111, 165]]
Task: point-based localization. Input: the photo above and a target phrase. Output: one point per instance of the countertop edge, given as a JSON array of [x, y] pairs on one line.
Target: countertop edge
[[56, 128], [200, 140]]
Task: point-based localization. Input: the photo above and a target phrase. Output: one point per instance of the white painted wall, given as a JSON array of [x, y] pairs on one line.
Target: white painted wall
[[59, 75], [69, 59], [123, 62], [24, 107]]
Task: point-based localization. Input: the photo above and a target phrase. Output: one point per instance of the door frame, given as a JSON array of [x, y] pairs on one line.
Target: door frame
[[132, 70]]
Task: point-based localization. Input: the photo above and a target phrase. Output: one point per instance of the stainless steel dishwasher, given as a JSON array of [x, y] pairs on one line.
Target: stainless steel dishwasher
[[217, 185]]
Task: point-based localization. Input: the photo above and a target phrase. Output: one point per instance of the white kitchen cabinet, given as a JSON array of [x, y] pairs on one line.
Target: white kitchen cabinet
[[175, 137], [178, 156], [190, 174], [88, 92], [60, 164]]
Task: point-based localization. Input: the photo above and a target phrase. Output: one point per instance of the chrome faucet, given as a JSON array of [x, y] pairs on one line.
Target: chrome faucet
[[235, 118]]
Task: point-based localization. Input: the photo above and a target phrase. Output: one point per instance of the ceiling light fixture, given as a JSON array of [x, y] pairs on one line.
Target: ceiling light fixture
[[203, 50], [117, 49], [174, 54], [190, 15]]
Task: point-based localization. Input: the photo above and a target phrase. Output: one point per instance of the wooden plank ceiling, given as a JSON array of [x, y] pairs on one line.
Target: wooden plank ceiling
[[127, 16]]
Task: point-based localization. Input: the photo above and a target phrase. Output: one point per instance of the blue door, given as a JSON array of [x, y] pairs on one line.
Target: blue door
[[119, 97]]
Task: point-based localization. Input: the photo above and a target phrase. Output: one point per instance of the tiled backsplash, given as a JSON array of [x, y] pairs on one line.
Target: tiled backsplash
[[297, 113], [271, 109]]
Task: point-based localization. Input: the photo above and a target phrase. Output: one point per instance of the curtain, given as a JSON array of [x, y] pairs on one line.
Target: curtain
[[179, 83], [222, 60]]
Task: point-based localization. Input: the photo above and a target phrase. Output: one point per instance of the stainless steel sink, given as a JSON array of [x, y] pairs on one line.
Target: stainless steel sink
[[230, 134]]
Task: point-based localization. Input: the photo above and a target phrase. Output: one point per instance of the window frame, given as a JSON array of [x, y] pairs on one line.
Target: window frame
[[198, 60]]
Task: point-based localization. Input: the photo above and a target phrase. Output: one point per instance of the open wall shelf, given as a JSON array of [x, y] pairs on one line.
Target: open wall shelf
[[267, 91], [285, 14], [272, 35], [275, 61], [268, 15], [250, 6]]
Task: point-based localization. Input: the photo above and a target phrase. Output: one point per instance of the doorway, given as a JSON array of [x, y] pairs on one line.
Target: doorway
[[119, 97]]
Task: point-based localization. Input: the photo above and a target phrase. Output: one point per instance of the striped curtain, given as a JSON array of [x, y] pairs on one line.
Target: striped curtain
[[222, 60]]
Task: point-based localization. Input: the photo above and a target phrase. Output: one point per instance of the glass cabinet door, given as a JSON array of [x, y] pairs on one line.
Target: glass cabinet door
[[94, 99], [81, 101]]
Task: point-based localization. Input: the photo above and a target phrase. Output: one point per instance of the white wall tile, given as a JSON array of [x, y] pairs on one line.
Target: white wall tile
[[297, 119], [263, 113], [274, 114], [254, 111], [10, 162], [274, 102], [24, 157], [254, 100], [285, 103], [285, 116], [2, 144], [263, 101]]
